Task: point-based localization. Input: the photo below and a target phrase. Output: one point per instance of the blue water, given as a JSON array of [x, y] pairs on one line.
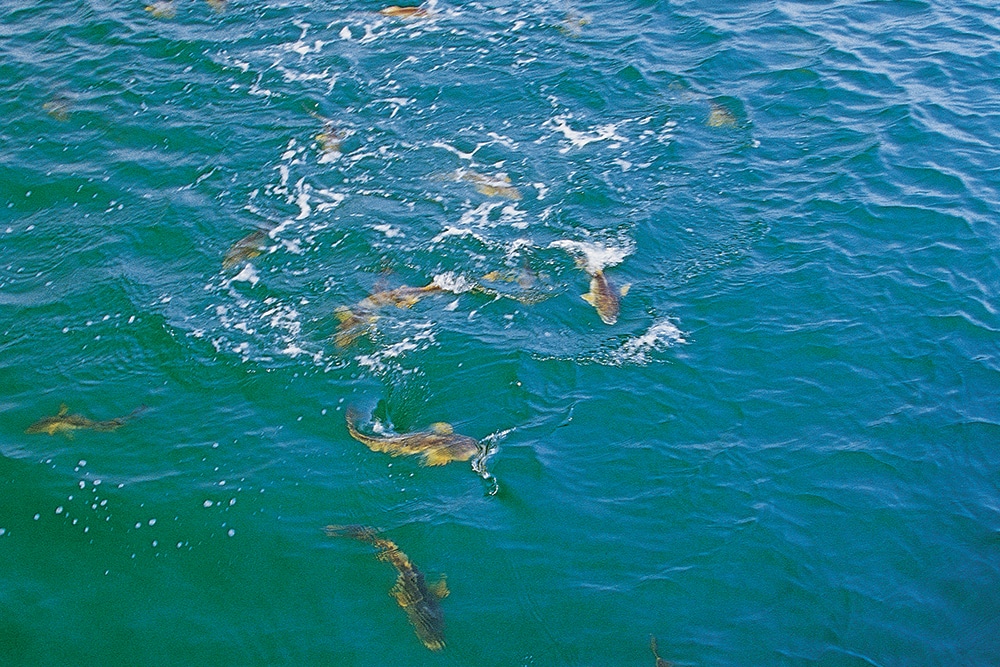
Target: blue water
[[783, 452]]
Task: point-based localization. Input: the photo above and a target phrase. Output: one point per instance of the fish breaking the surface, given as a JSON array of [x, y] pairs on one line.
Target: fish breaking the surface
[[438, 446], [418, 600], [63, 422], [605, 297], [405, 12]]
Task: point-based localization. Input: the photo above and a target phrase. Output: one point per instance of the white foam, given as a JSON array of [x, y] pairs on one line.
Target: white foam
[[660, 336], [596, 256], [452, 282], [247, 275], [578, 139]]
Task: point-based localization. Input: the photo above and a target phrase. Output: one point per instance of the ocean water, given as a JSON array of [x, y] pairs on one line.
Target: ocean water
[[784, 452]]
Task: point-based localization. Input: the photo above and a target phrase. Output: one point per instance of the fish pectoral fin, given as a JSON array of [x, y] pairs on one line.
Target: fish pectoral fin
[[63, 409], [442, 428], [625, 288], [589, 298], [437, 457], [440, 589]]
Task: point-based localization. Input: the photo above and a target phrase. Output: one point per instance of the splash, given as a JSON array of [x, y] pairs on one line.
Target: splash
[[595, 256]]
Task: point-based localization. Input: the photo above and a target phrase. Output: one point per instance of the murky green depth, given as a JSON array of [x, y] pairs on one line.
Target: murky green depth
[[783, 451]]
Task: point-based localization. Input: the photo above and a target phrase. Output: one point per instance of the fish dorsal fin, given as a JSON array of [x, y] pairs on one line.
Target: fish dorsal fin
[[625, 288], [63, 409], [440, 589], [442, 428], [589, 298]]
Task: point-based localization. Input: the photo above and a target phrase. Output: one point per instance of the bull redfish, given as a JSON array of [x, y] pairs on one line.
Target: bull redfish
[[418, 600], [162, 10], [356, 321], [404, 12], [63, 422], [438, 446], [604, 297], [248, 247]]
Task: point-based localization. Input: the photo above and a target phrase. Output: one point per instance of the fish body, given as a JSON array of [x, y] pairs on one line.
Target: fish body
[[164, 9], [248, 247], [720, 116], [58, 107], [438, 446], [218, 5], [63, 422], [411, 591], [405, 12], [356, 321], [499, 186], [604, 297]]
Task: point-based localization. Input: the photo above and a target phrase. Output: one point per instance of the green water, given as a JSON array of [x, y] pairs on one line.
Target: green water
[[784, 452]]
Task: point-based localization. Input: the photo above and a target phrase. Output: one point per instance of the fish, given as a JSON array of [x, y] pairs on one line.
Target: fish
[[660, 662], [499, 186], [438, 446], [63, 422], [420, 601], [248, 247], [218, 5], [532, 291], [720, 116], [404, 12], [354, 322], [164, 9], [58, 106], [604, 297]]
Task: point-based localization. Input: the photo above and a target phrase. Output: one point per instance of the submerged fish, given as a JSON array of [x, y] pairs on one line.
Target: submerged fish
[[356, 321], [604, 297], [528, 281], [218, 5], [404, 12], [164, 9], [248, 247], [58, 106], [498, 186], [438, 446], [418, 600], [660, 662], [67, 423], [720, 116]]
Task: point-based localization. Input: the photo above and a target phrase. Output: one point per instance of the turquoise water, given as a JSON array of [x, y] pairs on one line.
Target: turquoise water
[[784, 452]]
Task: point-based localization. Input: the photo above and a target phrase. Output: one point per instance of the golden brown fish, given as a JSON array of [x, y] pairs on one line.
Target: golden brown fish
[[498, 186], [164, 9], [418, 600], [604, 297], [720, 116], [248, 247], [357, 320], [65, 423], [218, 5], [405, 12], [438, 446]]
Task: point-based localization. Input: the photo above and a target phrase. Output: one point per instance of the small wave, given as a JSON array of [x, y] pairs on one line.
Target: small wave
[[639, 350]]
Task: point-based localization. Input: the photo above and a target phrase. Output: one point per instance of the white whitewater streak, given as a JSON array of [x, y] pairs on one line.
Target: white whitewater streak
[[660, 336], [577, 139], [596, 256]]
